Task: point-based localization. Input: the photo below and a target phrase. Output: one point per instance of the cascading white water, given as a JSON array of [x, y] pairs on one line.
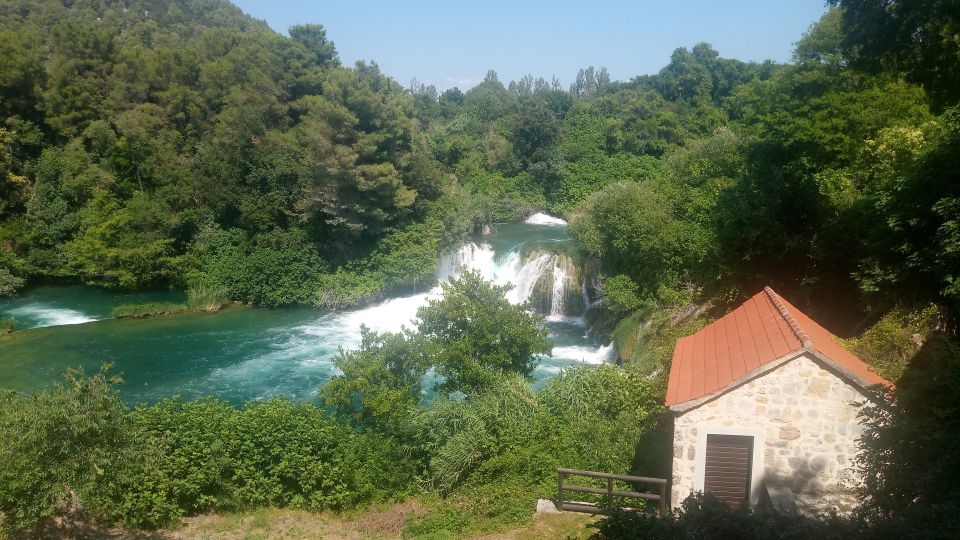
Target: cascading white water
[[471, 256], [391, 315], [50, 316], [527, 278], [558, 299], [544, 219], [585, 355]]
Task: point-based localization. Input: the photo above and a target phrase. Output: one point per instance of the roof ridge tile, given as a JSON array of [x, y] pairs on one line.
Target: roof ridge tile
[[787, 316]]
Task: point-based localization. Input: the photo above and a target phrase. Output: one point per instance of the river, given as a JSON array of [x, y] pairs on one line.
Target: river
[[239, 354]]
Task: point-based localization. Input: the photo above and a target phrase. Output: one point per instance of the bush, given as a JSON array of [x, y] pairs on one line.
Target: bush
[[9, 283], [61, 447], [892, 341], [7, 325], [291, 454], [195, 463], [274, 453], [271, 269]]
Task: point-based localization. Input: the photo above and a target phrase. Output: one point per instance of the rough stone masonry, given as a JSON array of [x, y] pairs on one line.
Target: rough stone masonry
[[808, 416]]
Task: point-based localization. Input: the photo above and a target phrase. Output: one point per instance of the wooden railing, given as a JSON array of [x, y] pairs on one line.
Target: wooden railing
[[563, 504]]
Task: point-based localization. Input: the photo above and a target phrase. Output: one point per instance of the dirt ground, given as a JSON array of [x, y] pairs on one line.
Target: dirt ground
[[383, 523]]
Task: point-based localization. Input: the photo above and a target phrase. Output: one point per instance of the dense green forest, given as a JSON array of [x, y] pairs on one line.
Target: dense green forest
[[157, 144], [182, 144]]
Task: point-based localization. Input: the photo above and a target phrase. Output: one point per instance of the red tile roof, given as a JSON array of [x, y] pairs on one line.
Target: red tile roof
[[761, 330]]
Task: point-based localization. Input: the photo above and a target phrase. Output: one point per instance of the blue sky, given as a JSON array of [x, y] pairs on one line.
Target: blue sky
[[450, 43]]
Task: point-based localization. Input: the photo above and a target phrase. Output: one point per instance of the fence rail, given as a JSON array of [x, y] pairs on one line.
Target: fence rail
[[575, 506]]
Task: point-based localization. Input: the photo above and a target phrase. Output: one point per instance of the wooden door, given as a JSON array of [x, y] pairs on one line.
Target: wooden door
[[727, 468]]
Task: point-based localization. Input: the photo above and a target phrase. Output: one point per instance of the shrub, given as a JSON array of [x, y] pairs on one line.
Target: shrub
[[61, 447], [892, 341], [285, 453], [275, 453], [271, 269], [10, 283], [195, 465]]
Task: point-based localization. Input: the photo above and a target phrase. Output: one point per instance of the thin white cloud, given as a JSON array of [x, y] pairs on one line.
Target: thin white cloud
[[463, 83]]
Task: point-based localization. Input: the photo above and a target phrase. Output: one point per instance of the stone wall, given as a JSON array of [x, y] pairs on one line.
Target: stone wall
[[806, 419]]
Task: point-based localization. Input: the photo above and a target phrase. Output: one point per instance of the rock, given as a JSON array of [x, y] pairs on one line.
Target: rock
[[789, 433], [546, 506]]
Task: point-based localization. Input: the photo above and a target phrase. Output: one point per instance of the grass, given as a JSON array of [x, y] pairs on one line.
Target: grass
[[151, 309], [386, 522], [205, 298], [198, 299]]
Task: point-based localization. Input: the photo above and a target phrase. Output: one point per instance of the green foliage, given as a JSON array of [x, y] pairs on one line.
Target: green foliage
[[475, 333], [622, 294], [150, 309], [913, 252], [909, 446], [313, 37], [494, 453], [909, 37], [271, 269], [206, 298], [638, 228], [60, 447], [9, 283], [273, 453], [379, 386], [137, 129], [890, 344], [7, 325], [289, 454]]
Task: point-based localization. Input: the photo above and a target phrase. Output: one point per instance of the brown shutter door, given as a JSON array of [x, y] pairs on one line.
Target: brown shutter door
[[727, 468]]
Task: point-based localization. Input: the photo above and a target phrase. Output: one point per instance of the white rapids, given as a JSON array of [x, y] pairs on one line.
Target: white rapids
[[50, 316], [544, 219], [343, 328]]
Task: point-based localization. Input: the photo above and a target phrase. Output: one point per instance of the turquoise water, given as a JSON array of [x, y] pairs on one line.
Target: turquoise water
[[239, 354]]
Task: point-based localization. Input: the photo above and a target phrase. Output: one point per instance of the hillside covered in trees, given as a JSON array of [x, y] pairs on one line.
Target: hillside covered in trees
[[183, 144], [153, 144]]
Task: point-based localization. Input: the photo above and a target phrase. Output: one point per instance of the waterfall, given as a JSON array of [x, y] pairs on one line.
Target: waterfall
[[586, 355], [471, 256], [558, 300], [528, 277], [544, 219]]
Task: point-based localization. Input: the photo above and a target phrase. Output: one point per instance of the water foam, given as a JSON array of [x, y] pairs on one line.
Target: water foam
[[39, 315], [343, 328], [586, 355], [558, 300], [528, 276], [544, 219]]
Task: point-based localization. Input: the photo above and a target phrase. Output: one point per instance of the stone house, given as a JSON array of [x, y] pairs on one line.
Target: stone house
[[765, 406]]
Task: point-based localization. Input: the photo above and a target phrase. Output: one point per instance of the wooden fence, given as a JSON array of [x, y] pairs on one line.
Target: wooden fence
[[563, 504]]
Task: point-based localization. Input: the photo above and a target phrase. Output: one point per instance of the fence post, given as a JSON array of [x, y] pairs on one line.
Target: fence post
[[663, 499], [559, 489], [610, 492]]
